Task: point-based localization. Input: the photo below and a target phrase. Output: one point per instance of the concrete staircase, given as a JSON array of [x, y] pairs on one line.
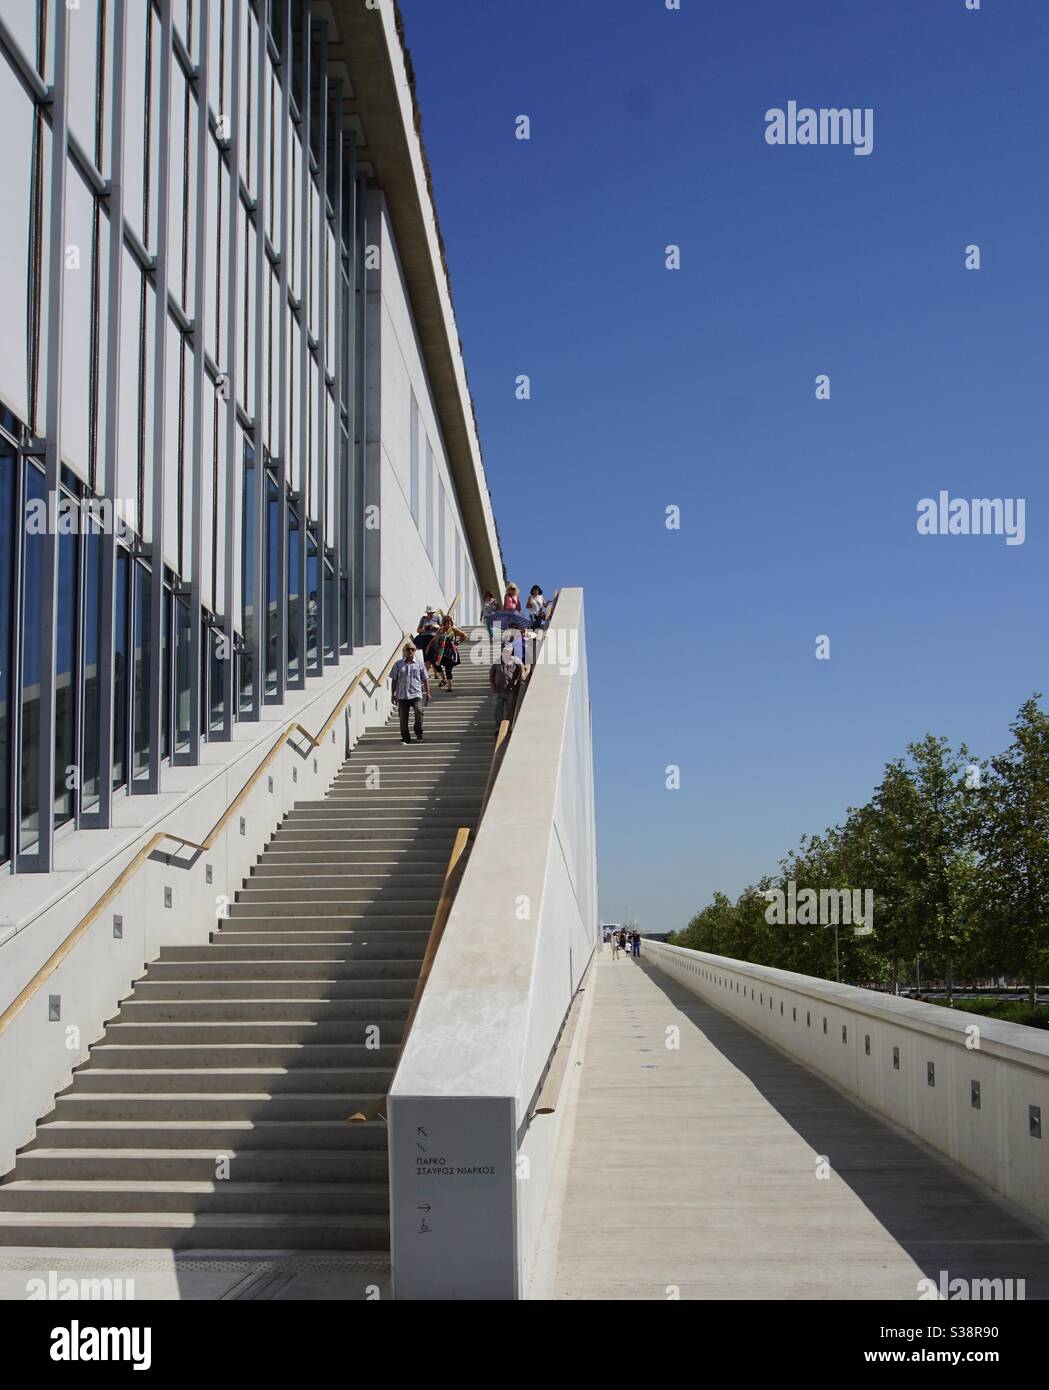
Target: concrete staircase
[[213, 1111]]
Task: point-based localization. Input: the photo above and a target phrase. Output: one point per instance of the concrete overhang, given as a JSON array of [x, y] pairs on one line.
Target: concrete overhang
[[383, 110]]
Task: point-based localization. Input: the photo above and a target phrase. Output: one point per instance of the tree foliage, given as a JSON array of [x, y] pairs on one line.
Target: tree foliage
[[956, 854]]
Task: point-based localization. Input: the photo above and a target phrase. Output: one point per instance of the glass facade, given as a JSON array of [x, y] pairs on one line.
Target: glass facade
[[182, 392]]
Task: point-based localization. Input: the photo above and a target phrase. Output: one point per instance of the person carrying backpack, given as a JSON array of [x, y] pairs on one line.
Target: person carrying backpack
[[505, 677]]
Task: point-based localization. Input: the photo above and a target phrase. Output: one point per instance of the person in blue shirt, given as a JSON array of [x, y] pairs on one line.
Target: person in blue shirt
[[411, 690]]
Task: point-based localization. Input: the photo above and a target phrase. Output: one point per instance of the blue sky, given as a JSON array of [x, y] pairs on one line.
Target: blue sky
[[696, 387]]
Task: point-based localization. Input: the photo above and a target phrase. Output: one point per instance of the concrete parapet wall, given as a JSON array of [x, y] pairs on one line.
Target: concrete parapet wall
[[880, 1049], [519, 938]]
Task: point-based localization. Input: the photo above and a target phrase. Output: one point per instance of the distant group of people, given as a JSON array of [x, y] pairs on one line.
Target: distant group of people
[[508, 673], [622, 940], [534, 613], [434, 654]]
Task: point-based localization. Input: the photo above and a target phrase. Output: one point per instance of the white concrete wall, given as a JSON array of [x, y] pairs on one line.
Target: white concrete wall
[[522, 930], [37, 912], [849, 1035], [409, 574]]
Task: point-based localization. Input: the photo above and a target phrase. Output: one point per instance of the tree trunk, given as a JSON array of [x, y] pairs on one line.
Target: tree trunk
[[950, 982], [1031, 989]]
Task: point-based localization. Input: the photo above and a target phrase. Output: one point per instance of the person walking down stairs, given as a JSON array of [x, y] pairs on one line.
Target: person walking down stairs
[[411, 690], [442, 653]]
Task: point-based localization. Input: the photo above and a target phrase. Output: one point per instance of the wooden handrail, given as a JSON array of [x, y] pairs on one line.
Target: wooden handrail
[[119, 883], [376, 1108], [502, 734]]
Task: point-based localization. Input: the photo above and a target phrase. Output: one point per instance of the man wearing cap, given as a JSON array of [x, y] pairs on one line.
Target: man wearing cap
[[411, 689]]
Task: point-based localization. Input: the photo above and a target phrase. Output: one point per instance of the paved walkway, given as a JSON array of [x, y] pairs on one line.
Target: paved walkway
[[698, 1171], [249, 1275]]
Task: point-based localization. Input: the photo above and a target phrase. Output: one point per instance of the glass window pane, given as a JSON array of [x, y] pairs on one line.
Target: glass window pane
[[312, 635], [183, 674], [140, 676], [33, 578], [165, 676], [121, 673], [217, 709], [8, 467], [247, 581], [89, 754], [329, 612], [294, 600], [66, 771], [272, 580]]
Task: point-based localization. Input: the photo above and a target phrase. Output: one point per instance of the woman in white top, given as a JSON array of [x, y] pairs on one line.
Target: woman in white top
[[536, 606]]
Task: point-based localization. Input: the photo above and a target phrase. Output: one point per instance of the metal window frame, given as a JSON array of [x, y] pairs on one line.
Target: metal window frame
[[42, 860]]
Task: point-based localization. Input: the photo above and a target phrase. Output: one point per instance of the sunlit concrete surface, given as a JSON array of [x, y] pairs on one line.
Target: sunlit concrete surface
[[695, 1172], [193, 1274]]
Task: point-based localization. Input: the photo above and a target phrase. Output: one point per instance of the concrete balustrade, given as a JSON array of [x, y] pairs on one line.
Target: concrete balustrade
[[470, 1161], [975, 1089]]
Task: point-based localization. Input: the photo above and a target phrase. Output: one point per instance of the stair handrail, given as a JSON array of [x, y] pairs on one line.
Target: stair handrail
[[60, 952], [376, 1109]]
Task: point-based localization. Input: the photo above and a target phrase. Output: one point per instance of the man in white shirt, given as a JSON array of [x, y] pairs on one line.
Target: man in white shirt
[[411, 689]]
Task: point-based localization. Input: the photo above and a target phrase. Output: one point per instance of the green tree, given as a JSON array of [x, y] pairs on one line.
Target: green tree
[[1012, 837], [926, 835]]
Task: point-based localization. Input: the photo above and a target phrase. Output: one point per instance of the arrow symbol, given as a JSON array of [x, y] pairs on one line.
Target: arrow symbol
[[419, 1146], [426, 1207], [419, 1130]]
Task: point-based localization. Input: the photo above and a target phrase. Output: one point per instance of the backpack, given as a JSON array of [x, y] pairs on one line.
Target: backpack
[[505, 677]]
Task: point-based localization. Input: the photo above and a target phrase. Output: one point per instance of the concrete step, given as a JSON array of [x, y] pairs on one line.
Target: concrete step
[[205, 1230], [223, 1135], [201, 1165], [239, 991], [237, 1010], [276, 973], [357, 858], [270, 876], [375, 817], [431, 837], [242, 1197], [322, 917], [216, 1080], [413, 795], [361, 945], [400, 771], [315, 932], [245, 1054], [271, 903], [78, 1106], [389, 1016]]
